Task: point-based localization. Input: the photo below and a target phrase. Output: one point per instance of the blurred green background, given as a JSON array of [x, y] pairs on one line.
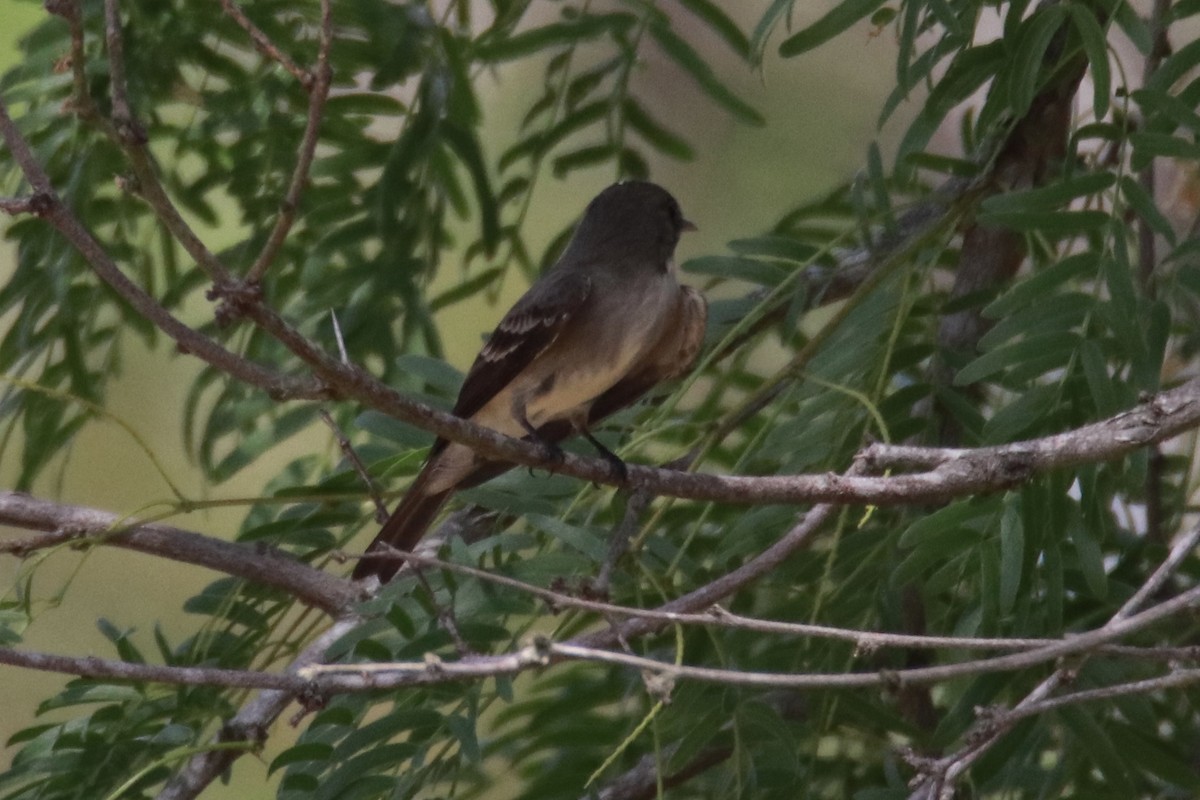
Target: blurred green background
[[820, 113]]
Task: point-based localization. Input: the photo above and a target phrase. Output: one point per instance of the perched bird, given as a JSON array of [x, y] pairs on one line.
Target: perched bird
[[594, 333]]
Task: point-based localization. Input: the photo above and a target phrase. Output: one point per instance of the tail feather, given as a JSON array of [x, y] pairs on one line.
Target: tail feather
[[403, 529]]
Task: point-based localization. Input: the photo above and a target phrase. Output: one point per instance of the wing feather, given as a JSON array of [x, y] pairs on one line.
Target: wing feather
[[532, 325]]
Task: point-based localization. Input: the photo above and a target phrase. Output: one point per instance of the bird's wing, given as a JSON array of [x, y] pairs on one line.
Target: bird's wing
[[526, 331]]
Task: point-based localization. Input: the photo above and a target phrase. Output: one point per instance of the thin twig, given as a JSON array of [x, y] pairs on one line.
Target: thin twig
[[265, 46], [322, 78], [1172, 680], [718, 617], [19, 205], [81, 99], [937, 777], [128, 133], [113, 670], [618, 541], [390, 675], [47, 205], [348, 452], [129, 129]]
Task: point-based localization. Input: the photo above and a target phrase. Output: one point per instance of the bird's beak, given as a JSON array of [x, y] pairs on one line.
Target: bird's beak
[[688, 226]]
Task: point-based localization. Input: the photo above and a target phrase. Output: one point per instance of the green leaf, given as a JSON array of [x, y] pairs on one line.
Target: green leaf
[[766, 25], [1012, 552], [1049, 346], [835, 21], [737, 269], [1052, 224], [310, 751], [500, 48], [1058, 312], [656, 135], [1026, 414], [1029, 61], [782, 247], [583, 158], [695, 65], [583, 540], [1148, 146], [946, 165], [1173, 68], [1101, 386], [1043, 284], [370, 104], [466, 147], [1096, 47], [1140, 200], [953, 517], [970, 69], [1102, 753], [464, 731], [1165, 112], [1049, 197], [1090, 557], [721, 23]]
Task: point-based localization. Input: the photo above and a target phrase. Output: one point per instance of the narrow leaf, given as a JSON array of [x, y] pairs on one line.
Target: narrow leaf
[[837, 20], [686, 56]]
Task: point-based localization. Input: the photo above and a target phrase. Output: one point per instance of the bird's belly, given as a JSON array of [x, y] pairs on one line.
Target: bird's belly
[[579, 372]]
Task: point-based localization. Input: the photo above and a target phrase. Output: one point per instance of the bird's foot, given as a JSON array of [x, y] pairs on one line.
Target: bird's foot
[[616, 467], [617, 470], [551, 454]]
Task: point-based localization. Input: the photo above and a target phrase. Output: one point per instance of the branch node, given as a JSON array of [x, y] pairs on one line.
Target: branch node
[[41, 204], [659, 685], [128, 184], [311, 699], [235, 300], [1014, 468], [540, 648], [130, 131]]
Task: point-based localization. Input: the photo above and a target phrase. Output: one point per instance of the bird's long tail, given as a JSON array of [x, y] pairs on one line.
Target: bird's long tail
[[404, 528]]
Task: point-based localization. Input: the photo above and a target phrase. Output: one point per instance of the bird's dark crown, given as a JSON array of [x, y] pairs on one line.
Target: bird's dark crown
[[633, 220]]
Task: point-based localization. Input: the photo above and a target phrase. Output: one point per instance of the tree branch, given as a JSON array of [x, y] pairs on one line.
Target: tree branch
[[320, 79], [47, 205], [264, 45], [86, 526], [937, 777], [718, 617]]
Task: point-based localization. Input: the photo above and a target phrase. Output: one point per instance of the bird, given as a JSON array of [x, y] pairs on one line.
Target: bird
[[600, 328]]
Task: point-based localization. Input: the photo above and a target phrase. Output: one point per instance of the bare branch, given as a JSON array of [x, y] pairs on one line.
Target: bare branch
[[360, 469], [249, 725], [318, 86], [21, 205], [264, 45], [542, 652], [86, 526], [937, 777], [718, 617], [1172, 680], [129, 134], [109, 669], [128, 128], [952, 472], [81, 99]]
